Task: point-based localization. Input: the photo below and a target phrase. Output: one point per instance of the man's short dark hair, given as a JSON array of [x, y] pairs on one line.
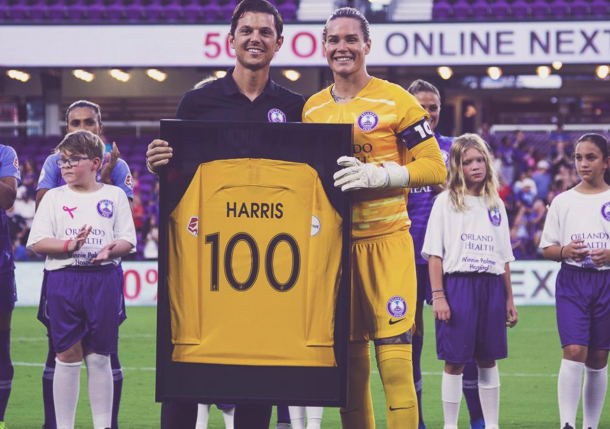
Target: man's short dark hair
[[258, 6], [349, 12], [84, 103], [421, 85]]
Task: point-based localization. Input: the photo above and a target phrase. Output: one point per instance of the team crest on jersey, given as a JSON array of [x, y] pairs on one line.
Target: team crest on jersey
[[606, 211], [129, 181], [367, 121], [276, 115], [495, 217], [193, 226], [16, 163], [315, 226], [397, 307], [105, 208]]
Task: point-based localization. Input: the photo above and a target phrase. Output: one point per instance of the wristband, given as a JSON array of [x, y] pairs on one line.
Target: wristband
[[66, 244], [150, 169], [561, 253], [438, 297], [438, 290]]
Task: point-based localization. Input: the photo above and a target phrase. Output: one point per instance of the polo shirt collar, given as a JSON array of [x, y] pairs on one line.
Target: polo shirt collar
[[230, 88]]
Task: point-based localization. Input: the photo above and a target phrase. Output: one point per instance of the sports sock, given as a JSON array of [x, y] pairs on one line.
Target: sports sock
[[203, 414], [6, 371], [470, 388], [117, 392], [227, 415], [297, 417], [594, 393], [283, 415], [314, 417], [66, 387], [489, 391], [396, 371], [359, 411], [47, 389], [568, 387], [418, 345], [99, 383], [451, 393]]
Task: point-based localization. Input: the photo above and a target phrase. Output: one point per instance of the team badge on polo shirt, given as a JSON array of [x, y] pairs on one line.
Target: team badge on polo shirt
[[105, 208], [606, 211], [276, 115], [397, 307], [495, 217], [367, 121]]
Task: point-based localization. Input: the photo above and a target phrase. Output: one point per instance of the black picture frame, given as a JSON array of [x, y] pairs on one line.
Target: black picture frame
[[196, 142]]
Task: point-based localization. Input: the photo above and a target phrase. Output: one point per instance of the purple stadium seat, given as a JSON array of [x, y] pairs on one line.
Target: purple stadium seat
[[19, 12], [520, 9], [96, 11], [226, 11], [580, 8], [77, 12], [599, 8], [154, 11], [210, 11], [133, 11], [173, 11], [500, 10], [57, 11], [441, 10], [480, 9], [540, 9], [461, 10], [192, 11], [114, 11], [560, 9], [288, 11], [38, 11]]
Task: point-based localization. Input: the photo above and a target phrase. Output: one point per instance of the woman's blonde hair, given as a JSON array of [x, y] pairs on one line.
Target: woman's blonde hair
[[457, 181]]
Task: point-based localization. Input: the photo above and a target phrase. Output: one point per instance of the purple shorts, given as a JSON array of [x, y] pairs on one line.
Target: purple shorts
[[583, 307], [8, 292], [84, 304], [43, 311], [424, 289], [477, 326]]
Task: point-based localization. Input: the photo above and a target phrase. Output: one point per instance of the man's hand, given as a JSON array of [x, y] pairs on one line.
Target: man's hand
[[109, 164], [356, 175], [158, 154]]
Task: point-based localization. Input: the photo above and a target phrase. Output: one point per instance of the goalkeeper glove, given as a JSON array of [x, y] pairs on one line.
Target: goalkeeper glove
[[356, 175]]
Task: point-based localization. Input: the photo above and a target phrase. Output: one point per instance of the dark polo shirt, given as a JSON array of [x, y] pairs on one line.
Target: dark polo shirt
[[220, 100]]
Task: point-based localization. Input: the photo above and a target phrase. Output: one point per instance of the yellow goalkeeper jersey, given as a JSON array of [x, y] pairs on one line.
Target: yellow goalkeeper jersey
[[254, 266], [389, 125]]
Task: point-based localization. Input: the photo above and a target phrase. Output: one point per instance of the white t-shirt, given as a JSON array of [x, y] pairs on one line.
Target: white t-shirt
[[63, 212], [474, 241], [574, 215]]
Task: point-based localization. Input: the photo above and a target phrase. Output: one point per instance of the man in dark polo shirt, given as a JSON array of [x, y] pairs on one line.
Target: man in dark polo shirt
[[246, 93]]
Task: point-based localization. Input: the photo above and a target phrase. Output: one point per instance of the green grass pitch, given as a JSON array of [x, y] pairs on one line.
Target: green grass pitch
[[528, 376]]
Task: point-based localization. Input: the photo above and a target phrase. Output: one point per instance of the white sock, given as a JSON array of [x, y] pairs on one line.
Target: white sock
[[569, 386], [297, 417], [594, 393], [66, 385], [101, 387], [452, 397], [314, 417], [228, 416], [489, 393], [203, 414]]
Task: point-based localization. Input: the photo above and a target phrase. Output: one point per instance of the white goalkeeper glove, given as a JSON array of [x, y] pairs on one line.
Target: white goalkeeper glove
[[356, 175]]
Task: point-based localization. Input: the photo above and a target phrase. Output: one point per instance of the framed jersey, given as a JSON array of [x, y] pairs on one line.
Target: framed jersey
[[253, 302]]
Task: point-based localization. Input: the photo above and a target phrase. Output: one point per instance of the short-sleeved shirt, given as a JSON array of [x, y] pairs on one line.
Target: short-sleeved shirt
[[389, 125], [9, 167], [50, 177], [473, 241], [221, 100], [574, 216], [421, 200], [62, 212]]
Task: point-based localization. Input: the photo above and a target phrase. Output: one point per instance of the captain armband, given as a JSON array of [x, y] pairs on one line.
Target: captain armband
[[417, 133]]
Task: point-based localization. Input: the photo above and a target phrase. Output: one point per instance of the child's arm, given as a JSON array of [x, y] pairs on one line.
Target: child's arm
[[511, 310], [116, 249], [55, 246], [440, 305], [577, 250]]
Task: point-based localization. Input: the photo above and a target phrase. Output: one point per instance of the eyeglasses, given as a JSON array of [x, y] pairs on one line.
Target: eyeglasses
[[72, 161]]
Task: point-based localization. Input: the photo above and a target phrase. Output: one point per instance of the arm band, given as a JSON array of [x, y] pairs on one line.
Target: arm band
[[438, 290], [66, 244], [561, 254], [438, 297]]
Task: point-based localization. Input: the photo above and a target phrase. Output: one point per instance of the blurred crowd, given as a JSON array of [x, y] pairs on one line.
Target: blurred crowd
[[531, 174]]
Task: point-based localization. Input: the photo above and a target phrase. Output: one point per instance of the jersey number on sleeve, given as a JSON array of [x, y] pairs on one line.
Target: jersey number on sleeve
[[214, 240]]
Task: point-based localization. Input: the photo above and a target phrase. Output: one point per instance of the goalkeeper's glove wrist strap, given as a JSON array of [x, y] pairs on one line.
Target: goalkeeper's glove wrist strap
[[398, 176]]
